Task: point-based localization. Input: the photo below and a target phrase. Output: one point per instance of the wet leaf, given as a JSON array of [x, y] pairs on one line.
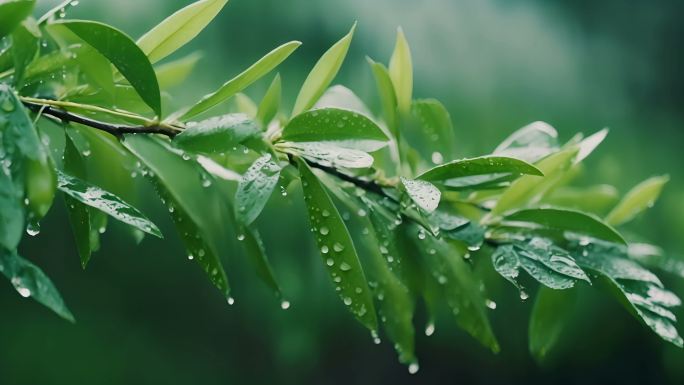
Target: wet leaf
[[217, 134], [451, 172], [423, 193], [322, 74], [78, 213], [24, 47], [336, 126], [638, 199], [30, 281], [567, 220], [530, 143], [337, 249], [436, 131], [328, 155], [178, 29], [255, 188], [256, 71]]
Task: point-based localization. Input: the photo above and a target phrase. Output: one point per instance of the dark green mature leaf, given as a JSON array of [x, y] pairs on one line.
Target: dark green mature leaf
[[12, 13], [178, 184], [639, 198], [530, 143], [124, 54], [337, 249], [106, 202], [268, 108], [178, 29], [550, 314], [452, 172], [328, 155], [257, 70], [343, 128], [30, 281], [24, 47], [445, 263], [636, 288], [217, 134], [11, 210], [545, 262], [401, 72], [388, 99], [255, 187], [78, 213], [423, 193], [257, 255], [322, 74], [567, 220]]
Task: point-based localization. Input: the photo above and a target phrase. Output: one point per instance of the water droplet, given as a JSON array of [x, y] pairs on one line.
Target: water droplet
[[375, 337], [191, 257], [347, 301], [330, 262], [421, 234], [285, 305], [361, 212], [437, 158], [324, 230], [241, 237], [413, 368], [429, 329], [325, 213], [524, 295], [33, 229], [344, 266], [324, 249], [338, 247], [230, 300], [490, 304]]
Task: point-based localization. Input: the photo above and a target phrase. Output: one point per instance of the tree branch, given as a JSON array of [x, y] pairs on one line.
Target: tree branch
[[114, 129]]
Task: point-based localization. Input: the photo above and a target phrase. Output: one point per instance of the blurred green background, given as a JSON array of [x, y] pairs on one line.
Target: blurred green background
[[146, 315]]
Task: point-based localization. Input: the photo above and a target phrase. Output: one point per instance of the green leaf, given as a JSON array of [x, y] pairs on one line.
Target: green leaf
[[337, 249], [436, 130], [246, 105], [12, 13], [179, 185], [322, 74], [123, 53], [459, 286], [268, 108], [217, 134], [328, 155], [550, 314], [95, 66], [30, 281], [589, 144], [257, 255], [78, 213], [339, 96], [388, 98], [638, 199], [594, 199], [106, 202], [530, 143], [11, 211], [175, 72], [178, 29], [567, 220], [531, 188], [265, 65], [255, 187], [24, 47], [450, 173], [401, 72], [548, 264], [343, 128], [639, 290], [423, 193]]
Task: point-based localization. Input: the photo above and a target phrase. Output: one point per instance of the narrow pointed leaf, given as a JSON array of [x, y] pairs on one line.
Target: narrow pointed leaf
[[124, 54], [550, 314], [343, 128], [530, 143], [322, 74], [486, 165], [255, 188], [589, 144], [178, 29], [78, 213], [106, 202], [30, 281], [12, 13], [436, 131], [328, 155], [217, 134], [639, 198], [388, 98], [423, 193], [265, 65], [179, 185], [337, 249], [256, 252], [24, 47], [270, 104], [401, 72], [568, 220]]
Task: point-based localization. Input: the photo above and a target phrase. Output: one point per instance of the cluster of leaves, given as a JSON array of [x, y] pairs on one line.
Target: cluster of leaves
[[418, 228]]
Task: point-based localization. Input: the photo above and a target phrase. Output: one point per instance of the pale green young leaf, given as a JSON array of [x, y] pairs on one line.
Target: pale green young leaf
[[401, 72], [12, 13], [178, 183], [594, 199], [30, 281], [322, 74], [550, 314], [339, 96], [255, 188], [245, 105], [337, 249], [216, 134], [270, 103], [423, 193], [178, 29], [388, 98], [566, 220], [106, 202], [175, 72], [588, 145], [326, 154], [123, 53], [638, 199], [257, 70], [530, 143], [336, 126]]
